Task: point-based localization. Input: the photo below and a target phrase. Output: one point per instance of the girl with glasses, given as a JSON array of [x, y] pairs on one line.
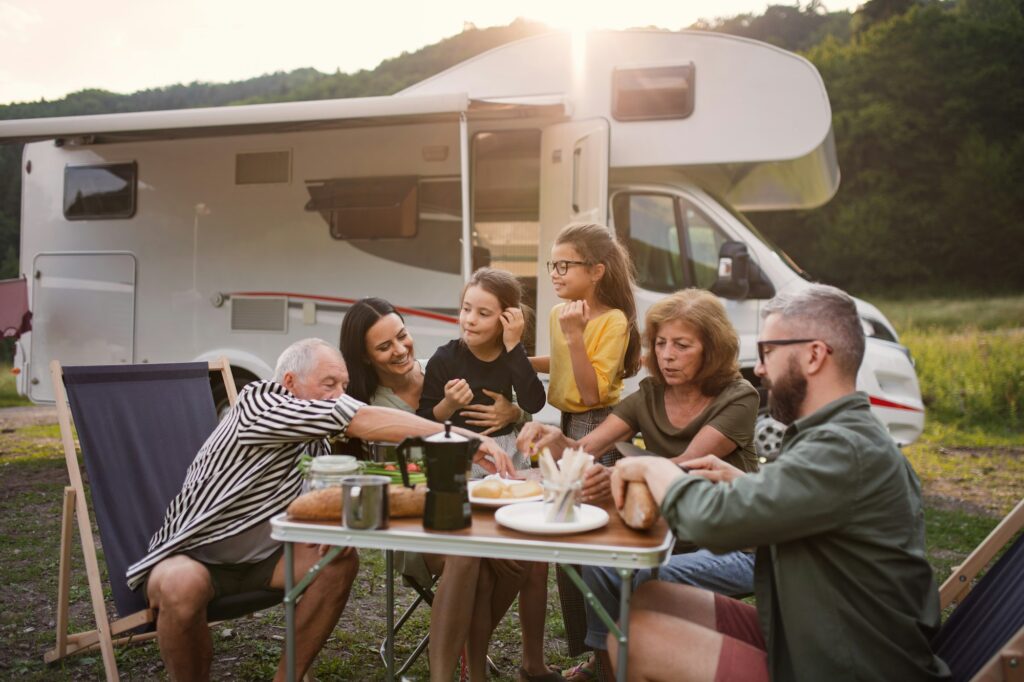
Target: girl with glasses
[[595, 344]]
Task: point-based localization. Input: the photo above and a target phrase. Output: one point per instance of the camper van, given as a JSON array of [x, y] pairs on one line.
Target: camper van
[[191, 234]]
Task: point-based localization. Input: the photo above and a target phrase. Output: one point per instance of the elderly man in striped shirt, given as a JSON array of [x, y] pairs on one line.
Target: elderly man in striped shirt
[[215, 540]]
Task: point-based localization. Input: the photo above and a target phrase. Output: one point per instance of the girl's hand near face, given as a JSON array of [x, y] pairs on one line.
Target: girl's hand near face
[[512, 322], [573, 318]]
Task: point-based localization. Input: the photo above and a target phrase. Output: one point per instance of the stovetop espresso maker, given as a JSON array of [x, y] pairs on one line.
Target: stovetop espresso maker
[[447, 458]]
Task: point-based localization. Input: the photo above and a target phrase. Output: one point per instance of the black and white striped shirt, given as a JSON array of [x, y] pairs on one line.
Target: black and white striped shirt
[[246, 471]]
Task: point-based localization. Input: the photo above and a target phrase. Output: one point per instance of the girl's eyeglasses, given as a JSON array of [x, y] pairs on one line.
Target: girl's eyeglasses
[[562, 266]]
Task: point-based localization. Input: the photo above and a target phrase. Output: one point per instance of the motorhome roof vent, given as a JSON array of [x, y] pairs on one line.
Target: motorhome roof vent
[[366, 208], [653, 93], [259, 314]]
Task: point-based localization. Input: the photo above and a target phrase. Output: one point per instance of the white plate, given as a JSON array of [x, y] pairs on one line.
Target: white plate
[[529, 518], [500, 501]]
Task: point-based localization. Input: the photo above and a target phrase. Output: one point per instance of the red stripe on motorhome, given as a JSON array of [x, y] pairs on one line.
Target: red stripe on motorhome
[[882, 402], [337, 299]]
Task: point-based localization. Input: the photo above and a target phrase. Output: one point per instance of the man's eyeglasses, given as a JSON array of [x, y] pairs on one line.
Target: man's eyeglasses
[[761, 345], [562, 266]]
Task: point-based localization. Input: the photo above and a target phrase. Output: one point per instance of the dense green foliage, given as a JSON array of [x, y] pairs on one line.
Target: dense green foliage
[[926, 99], [927, 116]]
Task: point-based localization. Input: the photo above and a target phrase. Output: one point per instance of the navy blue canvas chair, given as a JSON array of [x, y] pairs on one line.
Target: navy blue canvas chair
[[983, 639], [139, 427]]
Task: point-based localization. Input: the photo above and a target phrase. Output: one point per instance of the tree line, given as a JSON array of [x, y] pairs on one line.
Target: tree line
[[927, 99]]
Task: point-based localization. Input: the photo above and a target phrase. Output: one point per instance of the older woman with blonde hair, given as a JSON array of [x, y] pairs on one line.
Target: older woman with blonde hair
[[692, 403]]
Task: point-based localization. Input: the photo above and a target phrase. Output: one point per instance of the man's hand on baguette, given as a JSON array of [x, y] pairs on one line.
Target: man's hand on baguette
[[658, 472]]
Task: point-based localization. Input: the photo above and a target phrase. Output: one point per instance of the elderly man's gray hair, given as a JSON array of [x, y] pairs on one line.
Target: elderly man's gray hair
[[826, 313], [300, 357]]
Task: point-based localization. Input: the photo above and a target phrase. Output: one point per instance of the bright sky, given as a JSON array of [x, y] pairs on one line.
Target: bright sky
[[50, 48]]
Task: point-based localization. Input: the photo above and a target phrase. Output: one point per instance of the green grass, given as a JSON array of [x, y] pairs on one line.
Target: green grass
[[8, 391], [972, 379], [953, 314]]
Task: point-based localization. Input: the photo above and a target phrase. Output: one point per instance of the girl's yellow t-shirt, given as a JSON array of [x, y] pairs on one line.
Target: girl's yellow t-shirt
[[605, 338]]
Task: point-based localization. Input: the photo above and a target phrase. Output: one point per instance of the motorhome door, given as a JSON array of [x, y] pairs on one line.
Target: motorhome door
[[83, 313], [574, 188]]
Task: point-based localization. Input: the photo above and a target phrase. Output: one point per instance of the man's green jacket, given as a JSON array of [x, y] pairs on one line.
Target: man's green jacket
[[843, 589]]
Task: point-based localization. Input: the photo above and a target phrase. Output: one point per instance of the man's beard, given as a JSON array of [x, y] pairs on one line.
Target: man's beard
[[787, 394]]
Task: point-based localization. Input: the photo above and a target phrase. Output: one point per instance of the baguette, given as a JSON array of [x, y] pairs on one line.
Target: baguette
[[407, 502], [639, 511], [317, 505], [325, 504]]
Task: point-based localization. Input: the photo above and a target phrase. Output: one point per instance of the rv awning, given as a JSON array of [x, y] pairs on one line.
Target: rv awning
[[265, 118]]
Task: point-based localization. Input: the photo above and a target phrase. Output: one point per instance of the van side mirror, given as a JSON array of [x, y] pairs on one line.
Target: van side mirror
[[733, 271]]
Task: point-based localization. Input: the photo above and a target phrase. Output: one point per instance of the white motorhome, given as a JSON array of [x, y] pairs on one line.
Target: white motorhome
[[190, 234]]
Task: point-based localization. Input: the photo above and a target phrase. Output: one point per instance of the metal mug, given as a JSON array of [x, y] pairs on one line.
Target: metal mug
[[364, 502], [380, 451]]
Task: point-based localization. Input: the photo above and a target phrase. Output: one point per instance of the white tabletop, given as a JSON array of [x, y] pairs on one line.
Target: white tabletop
[[614, 545]]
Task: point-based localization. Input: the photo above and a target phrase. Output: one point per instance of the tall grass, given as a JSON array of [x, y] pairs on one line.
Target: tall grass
[[972, 379], [954, 314]]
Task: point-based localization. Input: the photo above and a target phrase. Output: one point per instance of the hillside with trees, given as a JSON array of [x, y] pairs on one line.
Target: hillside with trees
[[926, 96]]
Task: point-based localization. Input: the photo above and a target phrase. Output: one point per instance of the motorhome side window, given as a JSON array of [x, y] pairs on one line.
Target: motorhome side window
[[648, 225], [653, 93], [703, 242], [673, 244], [100, 191], [409, 220]]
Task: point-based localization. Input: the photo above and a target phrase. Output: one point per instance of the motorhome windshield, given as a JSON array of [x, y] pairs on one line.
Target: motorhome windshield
[[757, 233]]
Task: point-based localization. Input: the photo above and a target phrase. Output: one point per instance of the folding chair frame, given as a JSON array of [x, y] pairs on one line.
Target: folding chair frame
[[75, 507], [1008, 662]]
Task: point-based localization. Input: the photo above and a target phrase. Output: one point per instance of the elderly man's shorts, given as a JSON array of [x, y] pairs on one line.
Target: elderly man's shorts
[[229, 579], [744, 653]]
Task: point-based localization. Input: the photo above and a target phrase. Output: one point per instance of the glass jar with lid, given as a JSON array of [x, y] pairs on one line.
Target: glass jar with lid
[[327, 471]]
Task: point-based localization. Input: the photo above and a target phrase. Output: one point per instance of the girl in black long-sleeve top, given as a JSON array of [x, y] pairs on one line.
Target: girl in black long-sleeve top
[[488, 359]]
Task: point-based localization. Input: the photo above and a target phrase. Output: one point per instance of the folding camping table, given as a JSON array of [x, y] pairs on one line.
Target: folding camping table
[[615, 545]]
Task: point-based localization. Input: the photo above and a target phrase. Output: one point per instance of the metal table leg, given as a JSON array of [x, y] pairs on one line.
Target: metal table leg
[[289, 611], [626, 575], [389, 596], [292, 593], [621, 634]]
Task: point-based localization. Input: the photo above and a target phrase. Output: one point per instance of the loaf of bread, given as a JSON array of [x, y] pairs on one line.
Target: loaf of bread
[[317, 505], [639, 511], [325, 504], [407, 502]]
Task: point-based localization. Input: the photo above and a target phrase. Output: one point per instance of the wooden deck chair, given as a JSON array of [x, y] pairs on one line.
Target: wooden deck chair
[[139, 426], [983, 639]]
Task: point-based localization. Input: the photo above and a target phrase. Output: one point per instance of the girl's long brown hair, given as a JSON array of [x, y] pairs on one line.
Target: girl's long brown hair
[[597, 244]]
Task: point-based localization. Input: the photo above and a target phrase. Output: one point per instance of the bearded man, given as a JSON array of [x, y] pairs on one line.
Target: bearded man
[[844, 591]]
